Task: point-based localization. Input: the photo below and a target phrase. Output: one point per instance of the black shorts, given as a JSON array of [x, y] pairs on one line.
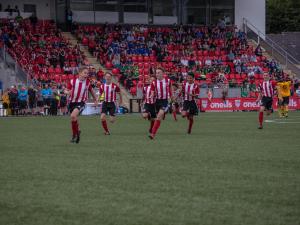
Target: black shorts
[[76, 105], [267, 102], [63, 102], [32, 104], [47, 101], [150, 109], [5, 105], [22, 104], [13, 105], [285, 101], [190, 107], [40, 103], [162, 104], [108, 108]]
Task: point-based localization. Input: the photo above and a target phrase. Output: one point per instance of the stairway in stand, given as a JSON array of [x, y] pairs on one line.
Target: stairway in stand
[[94, 62]]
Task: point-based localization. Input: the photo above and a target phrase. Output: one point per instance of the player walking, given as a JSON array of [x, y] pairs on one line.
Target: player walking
[[77, 90], [266, 94], [110, 91], [190, 92], [163, 93]]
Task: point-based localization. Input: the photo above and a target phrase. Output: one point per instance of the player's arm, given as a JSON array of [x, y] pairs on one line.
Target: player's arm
[[68, 89], [196, 92], [170, 91]]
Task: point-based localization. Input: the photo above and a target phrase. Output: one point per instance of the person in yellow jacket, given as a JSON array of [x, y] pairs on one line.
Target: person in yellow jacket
[[284, 93], [5, 102]]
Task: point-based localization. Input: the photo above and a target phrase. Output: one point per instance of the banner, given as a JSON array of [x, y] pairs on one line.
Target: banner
[[240, 104]]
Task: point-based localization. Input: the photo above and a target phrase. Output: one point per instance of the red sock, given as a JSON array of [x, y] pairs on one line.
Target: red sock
[[174, 115], [151, 125], [261, 118], [104, 125], [75, 128], [191, 121], [155, 126]]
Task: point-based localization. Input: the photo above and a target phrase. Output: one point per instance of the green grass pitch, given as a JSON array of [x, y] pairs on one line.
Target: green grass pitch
[[226, 172]]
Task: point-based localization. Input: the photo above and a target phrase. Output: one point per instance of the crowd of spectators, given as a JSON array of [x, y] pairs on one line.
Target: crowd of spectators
[[217, 55], [41, 50]]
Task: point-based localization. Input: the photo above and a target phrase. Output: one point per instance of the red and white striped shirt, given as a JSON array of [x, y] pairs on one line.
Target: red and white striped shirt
[[267, 88], [149, 94], [110, 92], [190, 89], [79, 90], [163, 88]]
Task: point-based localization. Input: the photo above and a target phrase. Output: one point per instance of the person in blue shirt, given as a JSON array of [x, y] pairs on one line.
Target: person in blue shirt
[[47, 95], [22, 99]]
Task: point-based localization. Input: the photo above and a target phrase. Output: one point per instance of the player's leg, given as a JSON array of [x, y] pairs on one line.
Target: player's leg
[[103, 117], [104, 123], [185, 110], [174, 111], [74, 124], [112, 111], [156, 125], [261, 116], [286, 106], [280, 108], [193, 110]]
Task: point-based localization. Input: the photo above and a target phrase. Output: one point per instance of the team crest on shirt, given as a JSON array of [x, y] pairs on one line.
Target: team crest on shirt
[[204, 103], [237, 102]]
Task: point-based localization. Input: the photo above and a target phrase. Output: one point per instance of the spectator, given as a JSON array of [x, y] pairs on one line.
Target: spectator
[[258, 50], [13, 100], [22, 98], [5, 101], [32, 99], [47, 95]]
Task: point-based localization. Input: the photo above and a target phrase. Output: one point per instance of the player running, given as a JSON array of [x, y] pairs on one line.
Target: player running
[[110, 91], [266, 94], [148, 110], [284, 93], [77, 90], [163, 93], [190, 92]]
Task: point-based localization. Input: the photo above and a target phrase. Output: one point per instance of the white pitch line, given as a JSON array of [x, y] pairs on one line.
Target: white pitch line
[[281, 122]]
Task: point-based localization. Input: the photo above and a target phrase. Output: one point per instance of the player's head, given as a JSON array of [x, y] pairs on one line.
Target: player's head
[[190, 77], [266, 76], [108, 77], [83, 73], [147, 80], [159, 73]]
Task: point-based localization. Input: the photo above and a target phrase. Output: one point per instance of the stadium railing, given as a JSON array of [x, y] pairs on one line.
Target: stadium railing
[[274, 49], [12, 64]]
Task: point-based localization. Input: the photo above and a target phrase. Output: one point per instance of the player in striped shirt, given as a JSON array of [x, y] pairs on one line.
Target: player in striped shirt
[[266, 93], [148, 109], [110, 90], [190, 91], [77, 90], [162, 88]]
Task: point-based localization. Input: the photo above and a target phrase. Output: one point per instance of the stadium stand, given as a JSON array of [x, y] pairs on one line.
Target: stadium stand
[[133, 51]]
